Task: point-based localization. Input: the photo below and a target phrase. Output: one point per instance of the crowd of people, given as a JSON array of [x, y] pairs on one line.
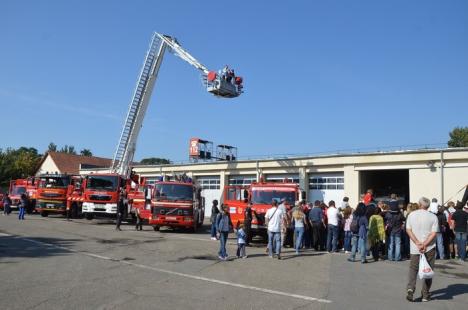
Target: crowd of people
[[374, 229], [383, 230]]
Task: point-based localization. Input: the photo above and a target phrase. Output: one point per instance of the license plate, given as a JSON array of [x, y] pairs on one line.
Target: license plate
[[50, 205], [171, 218]]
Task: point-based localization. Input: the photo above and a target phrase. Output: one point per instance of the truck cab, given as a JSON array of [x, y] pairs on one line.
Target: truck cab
[[101, 194], [24, 186], [260, 195], [177, 204], [52, 194]]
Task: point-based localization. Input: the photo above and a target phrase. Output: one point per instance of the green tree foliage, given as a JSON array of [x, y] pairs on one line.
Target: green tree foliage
[[17, 163], [69, 149], [155, 161], [86, 152], [52, 147], [458, 137]]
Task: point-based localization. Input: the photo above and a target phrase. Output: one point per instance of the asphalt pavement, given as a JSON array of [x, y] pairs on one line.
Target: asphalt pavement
[[52, 263]]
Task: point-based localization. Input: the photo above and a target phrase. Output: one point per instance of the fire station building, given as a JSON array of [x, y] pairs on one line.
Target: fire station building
[[434, 173]]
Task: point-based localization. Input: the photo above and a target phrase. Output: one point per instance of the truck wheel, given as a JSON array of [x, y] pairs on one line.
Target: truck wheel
[[194, 227], [89, 216], [44, 214], [156, 228]]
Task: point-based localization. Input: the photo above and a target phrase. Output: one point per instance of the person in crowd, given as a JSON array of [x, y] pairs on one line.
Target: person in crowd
[[332, 227], [348, 235], [394, 224], [405, 240], [393, 203], [440, 235], [299, 223], [450, 235], [376, 233], [385, 209], [241, 242], [22, 206], [214, 214], [344, 203], [324, 231], [368, 197], [223, 225], [359, 227], [274, 217], [459, 226], [422, 227], [120, 209], [286, 221], [370, 209], [248, 216], [434, 206], [6, 204], [308, 228], [139, 220], [317, 222]]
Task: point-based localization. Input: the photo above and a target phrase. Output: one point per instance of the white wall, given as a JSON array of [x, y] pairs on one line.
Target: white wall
[[48, 166]]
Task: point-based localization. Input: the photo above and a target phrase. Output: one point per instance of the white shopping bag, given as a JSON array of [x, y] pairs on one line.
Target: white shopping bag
[[425, 270]]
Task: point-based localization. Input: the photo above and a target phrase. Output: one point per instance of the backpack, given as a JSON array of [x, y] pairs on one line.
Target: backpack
[[354, 227]]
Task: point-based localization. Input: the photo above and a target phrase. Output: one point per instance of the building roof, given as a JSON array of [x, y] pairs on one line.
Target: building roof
[[69, 163]]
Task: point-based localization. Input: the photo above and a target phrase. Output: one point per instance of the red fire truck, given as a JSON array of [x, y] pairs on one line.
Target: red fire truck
[[52, 193], [101, 194], [176, 204], [24, 186], [261, 195]]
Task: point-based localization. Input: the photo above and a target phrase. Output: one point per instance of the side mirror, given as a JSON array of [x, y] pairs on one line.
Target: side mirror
[[303, 195], [246, 194]]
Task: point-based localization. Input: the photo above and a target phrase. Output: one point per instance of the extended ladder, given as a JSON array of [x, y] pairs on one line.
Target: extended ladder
[[126, 148]]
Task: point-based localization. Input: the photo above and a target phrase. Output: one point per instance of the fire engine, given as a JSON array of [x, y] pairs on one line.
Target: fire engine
[[23, 186], [52, 194], [100, 190], [176, 203], [260, 195]]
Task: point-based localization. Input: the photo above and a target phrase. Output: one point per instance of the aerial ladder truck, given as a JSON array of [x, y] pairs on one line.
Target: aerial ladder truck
[[101, 190]]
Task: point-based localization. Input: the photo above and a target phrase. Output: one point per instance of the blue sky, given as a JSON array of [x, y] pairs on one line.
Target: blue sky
[[319, 75]]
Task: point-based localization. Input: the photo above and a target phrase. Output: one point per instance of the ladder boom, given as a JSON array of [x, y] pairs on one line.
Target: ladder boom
[[126, 148], [180, 52]]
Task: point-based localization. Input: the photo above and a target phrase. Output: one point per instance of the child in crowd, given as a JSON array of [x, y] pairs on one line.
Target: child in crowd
[[241, 240]]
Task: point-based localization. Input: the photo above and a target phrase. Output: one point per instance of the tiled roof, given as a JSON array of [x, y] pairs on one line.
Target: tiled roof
[[69, 163]]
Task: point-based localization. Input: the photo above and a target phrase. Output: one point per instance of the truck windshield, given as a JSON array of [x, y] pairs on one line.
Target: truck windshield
[[266, 197], [18, 190], [54, 182], [102, 182], [174, 191]]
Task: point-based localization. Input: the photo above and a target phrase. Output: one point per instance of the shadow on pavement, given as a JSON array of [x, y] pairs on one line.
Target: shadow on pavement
[[450, 291], [16, 247]]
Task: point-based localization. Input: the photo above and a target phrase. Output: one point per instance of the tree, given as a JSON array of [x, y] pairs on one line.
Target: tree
[[458, 137], [86, 152], [69, 149], [52, 147], [155, 161], [16, 164]]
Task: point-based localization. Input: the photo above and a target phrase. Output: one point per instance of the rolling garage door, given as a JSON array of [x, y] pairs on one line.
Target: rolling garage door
[[294, 177], [243, 180], [211, 189], [326, 187]]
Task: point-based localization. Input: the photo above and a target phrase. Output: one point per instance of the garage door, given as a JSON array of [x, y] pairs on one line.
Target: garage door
[[326, 187], [280, 177], [211, 189], [243, 180]]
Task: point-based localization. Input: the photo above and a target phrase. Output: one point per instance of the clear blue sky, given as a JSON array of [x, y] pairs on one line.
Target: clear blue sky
[[319, 75]]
